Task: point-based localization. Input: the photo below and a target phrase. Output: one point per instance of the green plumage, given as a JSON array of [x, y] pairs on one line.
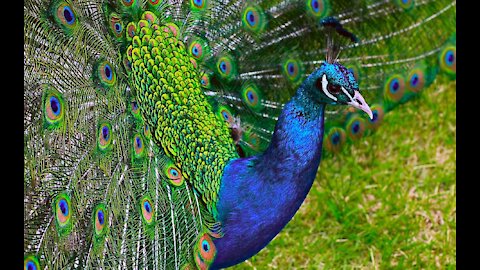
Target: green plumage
[[168, 91], [132, 109]]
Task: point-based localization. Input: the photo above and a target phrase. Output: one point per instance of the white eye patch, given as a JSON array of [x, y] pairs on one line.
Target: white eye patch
[[324, 88]]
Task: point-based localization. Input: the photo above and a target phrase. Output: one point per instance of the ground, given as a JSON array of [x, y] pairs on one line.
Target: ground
[[387, 201]]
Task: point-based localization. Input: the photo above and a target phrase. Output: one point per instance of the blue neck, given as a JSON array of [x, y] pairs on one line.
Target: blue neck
[[259, 195]]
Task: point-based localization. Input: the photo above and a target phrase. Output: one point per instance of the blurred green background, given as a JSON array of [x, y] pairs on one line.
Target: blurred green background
[[385, 202]]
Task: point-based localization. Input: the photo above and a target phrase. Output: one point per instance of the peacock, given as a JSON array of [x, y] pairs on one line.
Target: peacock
[[186, 134]]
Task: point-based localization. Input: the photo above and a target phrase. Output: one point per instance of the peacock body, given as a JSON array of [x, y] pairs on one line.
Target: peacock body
[[186, 134]]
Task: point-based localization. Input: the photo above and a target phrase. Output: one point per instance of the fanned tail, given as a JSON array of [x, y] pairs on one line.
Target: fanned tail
[[100, 192]]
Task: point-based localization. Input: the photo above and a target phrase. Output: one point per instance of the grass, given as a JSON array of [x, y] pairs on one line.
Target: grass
[[386, 202]]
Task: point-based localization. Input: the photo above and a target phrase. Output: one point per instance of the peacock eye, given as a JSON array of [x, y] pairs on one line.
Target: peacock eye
[[333, 88], [318, 83]]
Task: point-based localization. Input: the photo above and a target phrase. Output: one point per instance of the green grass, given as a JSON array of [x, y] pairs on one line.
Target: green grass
[[385, 202]]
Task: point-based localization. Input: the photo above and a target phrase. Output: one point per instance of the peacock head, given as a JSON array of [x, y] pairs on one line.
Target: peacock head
[[334, 84]]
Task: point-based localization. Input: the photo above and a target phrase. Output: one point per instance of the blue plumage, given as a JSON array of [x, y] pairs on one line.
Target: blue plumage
[[259, 195]]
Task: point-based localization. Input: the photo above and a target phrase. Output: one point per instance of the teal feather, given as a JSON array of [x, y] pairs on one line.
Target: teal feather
[[88, 146]]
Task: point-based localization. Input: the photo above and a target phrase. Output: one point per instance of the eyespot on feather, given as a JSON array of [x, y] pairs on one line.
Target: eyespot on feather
[[104, 136], [198, 48], [205, 81], [253, 19], [292, 70], [251, 96], [226, 68], [116, 25], [138, 146], [53, 107], [99, 223], [174, 174], [225, 114], [394, 87], [147, 210], [129, 3], [198, 5], [104, 74], [335, 139], [355, 127], [62, 208], [416, 80], [99, 219], [448, 60], [205, 252], [64, 15], [146, 131], [31, 263], [317, 8]]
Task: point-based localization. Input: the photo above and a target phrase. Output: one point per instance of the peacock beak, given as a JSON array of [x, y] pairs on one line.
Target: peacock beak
[[359, 102]]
